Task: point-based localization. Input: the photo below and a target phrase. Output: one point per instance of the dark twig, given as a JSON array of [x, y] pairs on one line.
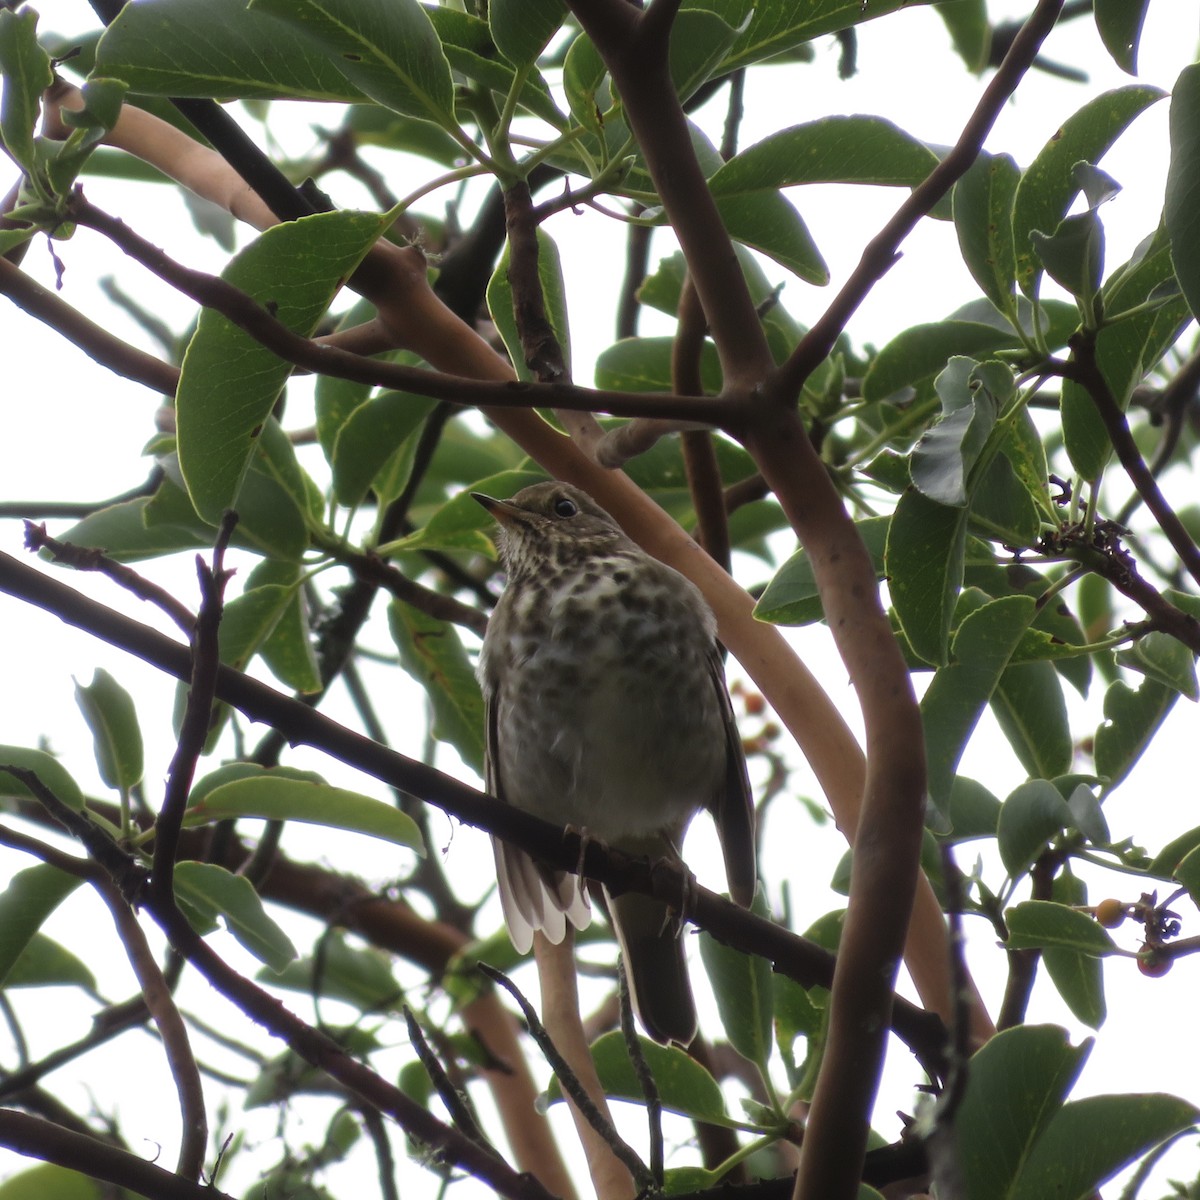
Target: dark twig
[[172, 1030], [49, 510], [637, 258], [645, 1077], [247, 314], [457, 1104], [36, 1138], [84, 558], [570, 1084], [95, 341], [197, 717], [699, 456], [1085, 371], [882, 251]]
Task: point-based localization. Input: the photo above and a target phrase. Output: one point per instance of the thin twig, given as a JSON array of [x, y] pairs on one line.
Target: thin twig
[[197, 717], [85, 558], [882, 251], [456, 1103], [1085, 371], [645, 1077], [570, 1085]]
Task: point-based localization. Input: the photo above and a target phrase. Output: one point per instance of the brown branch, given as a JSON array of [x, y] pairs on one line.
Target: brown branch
[[197, 717], [882, 251], [1085, 371], [372, 568], [36, 1138], [234, 304], [699, 457], [161, 1005], [95, 341], [85, 558], [634, 48]]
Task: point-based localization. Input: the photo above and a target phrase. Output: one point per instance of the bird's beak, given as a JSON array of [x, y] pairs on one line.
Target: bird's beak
[[501, 510]]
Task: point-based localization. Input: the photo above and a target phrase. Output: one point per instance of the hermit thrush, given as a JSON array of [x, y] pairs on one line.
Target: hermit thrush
[[607, 711]]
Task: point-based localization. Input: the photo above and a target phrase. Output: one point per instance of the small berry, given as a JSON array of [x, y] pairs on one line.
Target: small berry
[[754, 704], [1110, 913], [1154, 965]]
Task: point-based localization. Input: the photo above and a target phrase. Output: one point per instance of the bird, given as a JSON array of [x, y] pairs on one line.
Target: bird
[[607, 712]]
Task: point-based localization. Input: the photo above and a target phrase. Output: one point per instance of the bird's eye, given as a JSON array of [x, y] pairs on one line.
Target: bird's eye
[[564, 507]]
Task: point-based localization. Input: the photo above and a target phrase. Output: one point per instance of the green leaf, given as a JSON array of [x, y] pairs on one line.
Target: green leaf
[[1119, 23], [643, 364], [218, 49], [369, 436], [684, 1086], [700, 39], [122, 533], [924, 559], [954, 700], [288, 648], [1031, 710], [1131, 719], [1033, 814], [1036, 924], [1088, 1141], [767, 222], [1073, 255], [47, 768], [1048, 186], [44, 963], [1078, 977], [273, 797], [460, 523], [30, 897], [386, 48], [969, 29], [1162, 657], [102, 100], [982, 205], [27, 74], [359, 976], [943, 459], [1126, 350], [467, 44], [500, 304], [1002, 508], [521, 28], [212, 892], [922, 351], [1015, 1086], [433, 654], [230, 382], [1182, 212], [108, 709], [744, 987], [791, 596], [855, 149], [974, 812], [50, 1182], [778, 26]]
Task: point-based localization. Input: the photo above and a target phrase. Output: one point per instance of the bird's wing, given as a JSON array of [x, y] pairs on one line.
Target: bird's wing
[[532, 896], [735, 804]]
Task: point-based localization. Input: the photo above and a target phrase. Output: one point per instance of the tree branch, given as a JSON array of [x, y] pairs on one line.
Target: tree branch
[[882, 251]]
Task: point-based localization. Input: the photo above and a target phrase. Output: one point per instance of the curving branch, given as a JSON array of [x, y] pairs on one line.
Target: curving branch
[[38, 1138], [1085, 371], [883, 249]]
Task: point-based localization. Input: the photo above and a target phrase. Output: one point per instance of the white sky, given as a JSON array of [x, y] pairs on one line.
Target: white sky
[[57, 407]]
